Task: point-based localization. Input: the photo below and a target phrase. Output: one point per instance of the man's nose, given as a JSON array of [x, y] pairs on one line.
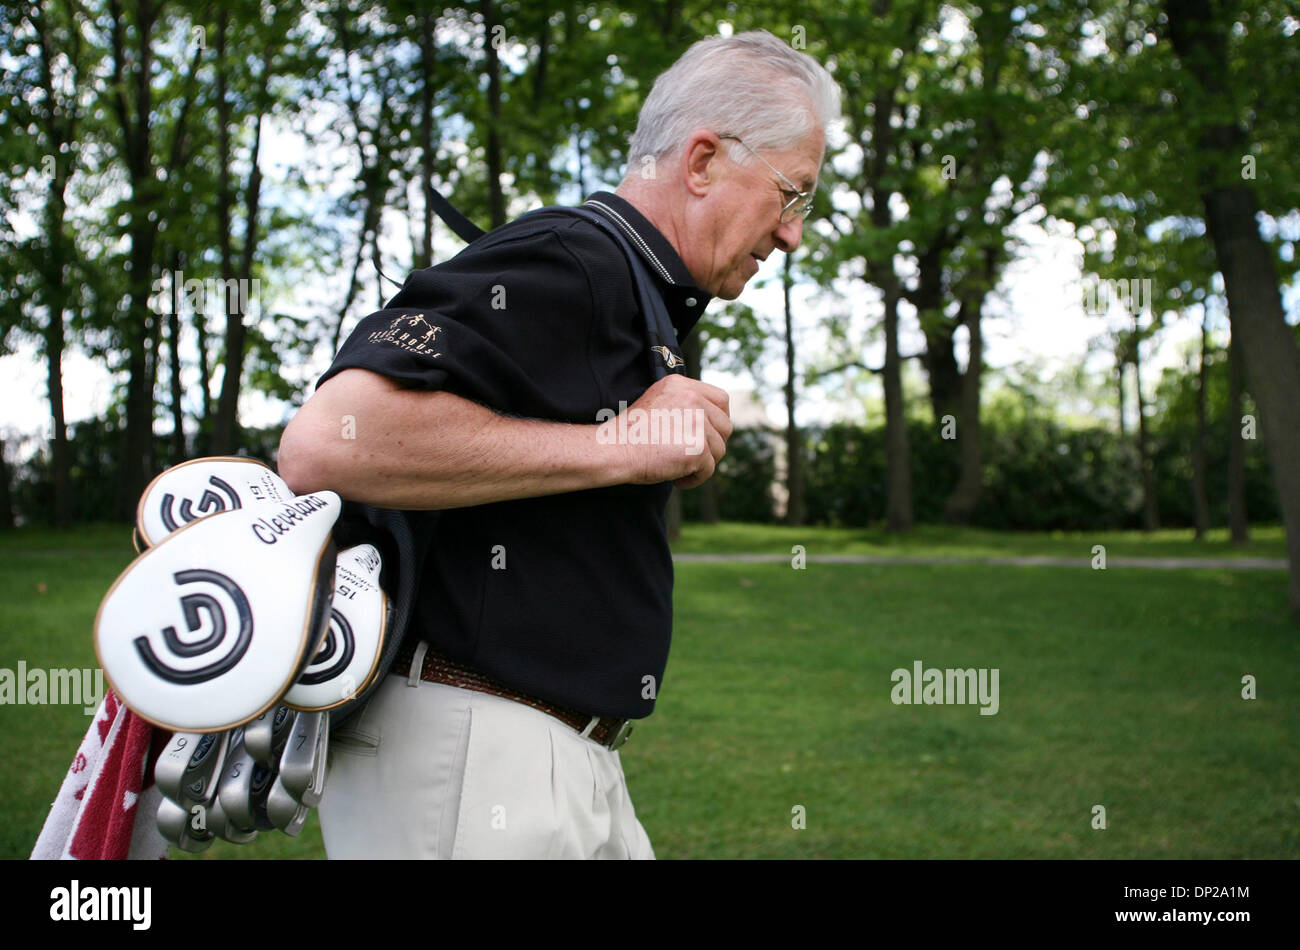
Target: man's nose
[[788, 234]]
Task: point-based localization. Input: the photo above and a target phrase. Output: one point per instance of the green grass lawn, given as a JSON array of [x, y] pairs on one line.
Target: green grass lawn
[[1119, 688]]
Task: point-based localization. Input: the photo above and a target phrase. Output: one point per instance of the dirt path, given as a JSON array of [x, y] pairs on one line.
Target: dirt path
[[1159, 563]]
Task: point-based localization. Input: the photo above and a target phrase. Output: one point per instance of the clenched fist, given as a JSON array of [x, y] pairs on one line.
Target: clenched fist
[[677, 431]]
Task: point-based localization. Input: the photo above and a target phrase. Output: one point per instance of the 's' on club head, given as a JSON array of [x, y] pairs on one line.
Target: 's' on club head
[[234, 793], [238, 763]]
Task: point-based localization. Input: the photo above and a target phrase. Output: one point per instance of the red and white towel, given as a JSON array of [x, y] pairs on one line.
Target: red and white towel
[[106, 807]]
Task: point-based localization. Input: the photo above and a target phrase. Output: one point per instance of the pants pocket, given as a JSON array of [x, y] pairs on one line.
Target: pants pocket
[[507, 805]]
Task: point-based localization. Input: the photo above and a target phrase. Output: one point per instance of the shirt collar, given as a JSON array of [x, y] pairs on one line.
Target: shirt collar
[[685, 300]]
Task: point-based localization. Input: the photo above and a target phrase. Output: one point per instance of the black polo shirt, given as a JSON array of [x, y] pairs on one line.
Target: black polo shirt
[[566, 597]]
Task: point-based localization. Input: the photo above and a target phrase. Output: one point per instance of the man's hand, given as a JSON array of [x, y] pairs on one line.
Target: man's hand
[[698, 411]]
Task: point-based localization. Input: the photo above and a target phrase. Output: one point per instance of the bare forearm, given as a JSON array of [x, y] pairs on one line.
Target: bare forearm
[[374, 442]]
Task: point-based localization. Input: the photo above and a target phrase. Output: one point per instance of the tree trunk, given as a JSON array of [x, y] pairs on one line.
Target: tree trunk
[[235, 274], [223, 422], [377, 262], [137, 461], [60, 513], [796, 512], [145, 200], [56, 297], [582, 167], [60, 122], [6, 499], [153, 357], [424, 249], [1150, 510], [1198, 34], [1271, 357], [203, 434], [1238, 523], [1200, 502], [178, 449], [706, 494], [940, 358], [673, 513], [941, 366], [495, 166], [1119, 391], [354, 282], [898, 514], [965, 497]]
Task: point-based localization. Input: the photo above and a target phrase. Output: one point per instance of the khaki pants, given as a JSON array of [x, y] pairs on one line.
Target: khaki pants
[[435, 771]]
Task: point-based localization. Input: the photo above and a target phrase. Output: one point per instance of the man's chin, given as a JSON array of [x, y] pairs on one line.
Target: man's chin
[[731, 290]]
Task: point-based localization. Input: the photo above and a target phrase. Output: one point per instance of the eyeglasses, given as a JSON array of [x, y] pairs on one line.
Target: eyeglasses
[[798, 204]]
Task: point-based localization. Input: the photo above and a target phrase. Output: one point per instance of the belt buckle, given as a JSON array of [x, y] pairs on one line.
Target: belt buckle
[[620, 735]]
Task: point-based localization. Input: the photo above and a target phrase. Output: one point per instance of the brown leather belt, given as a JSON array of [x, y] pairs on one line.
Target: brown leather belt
[[437, 668]]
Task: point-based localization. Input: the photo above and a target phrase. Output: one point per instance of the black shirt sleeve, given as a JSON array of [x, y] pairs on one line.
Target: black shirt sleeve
[[509, 322]]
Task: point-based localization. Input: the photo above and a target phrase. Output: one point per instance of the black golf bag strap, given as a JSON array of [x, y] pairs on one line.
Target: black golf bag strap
[[664, 355], [465, 229]]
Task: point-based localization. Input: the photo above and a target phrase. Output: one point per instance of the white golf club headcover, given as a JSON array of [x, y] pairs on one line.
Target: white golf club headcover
[[349, 654], [203, 487], [208, 629]]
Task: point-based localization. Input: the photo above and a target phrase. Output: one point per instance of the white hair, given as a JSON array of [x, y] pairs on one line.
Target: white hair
[[752, 85]]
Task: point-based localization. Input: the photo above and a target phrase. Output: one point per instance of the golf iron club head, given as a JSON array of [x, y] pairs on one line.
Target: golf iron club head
[[238, 764], [189, 770], [169, 771], [235, 793], [265, 736], [176, 824], [302, 766], [259, 790], [221, 826], [285, 811]]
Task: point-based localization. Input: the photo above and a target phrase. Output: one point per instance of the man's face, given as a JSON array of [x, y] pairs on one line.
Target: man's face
[[743, 223]]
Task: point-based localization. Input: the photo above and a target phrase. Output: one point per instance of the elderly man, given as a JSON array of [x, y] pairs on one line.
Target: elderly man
[[543, 618]]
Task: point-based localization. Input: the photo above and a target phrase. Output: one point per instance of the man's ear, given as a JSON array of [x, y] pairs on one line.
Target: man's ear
[[700, 161]]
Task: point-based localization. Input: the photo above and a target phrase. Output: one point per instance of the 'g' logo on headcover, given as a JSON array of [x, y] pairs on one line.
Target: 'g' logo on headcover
[[335, 653], [195, 607], [208, 627], [209, 504]]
